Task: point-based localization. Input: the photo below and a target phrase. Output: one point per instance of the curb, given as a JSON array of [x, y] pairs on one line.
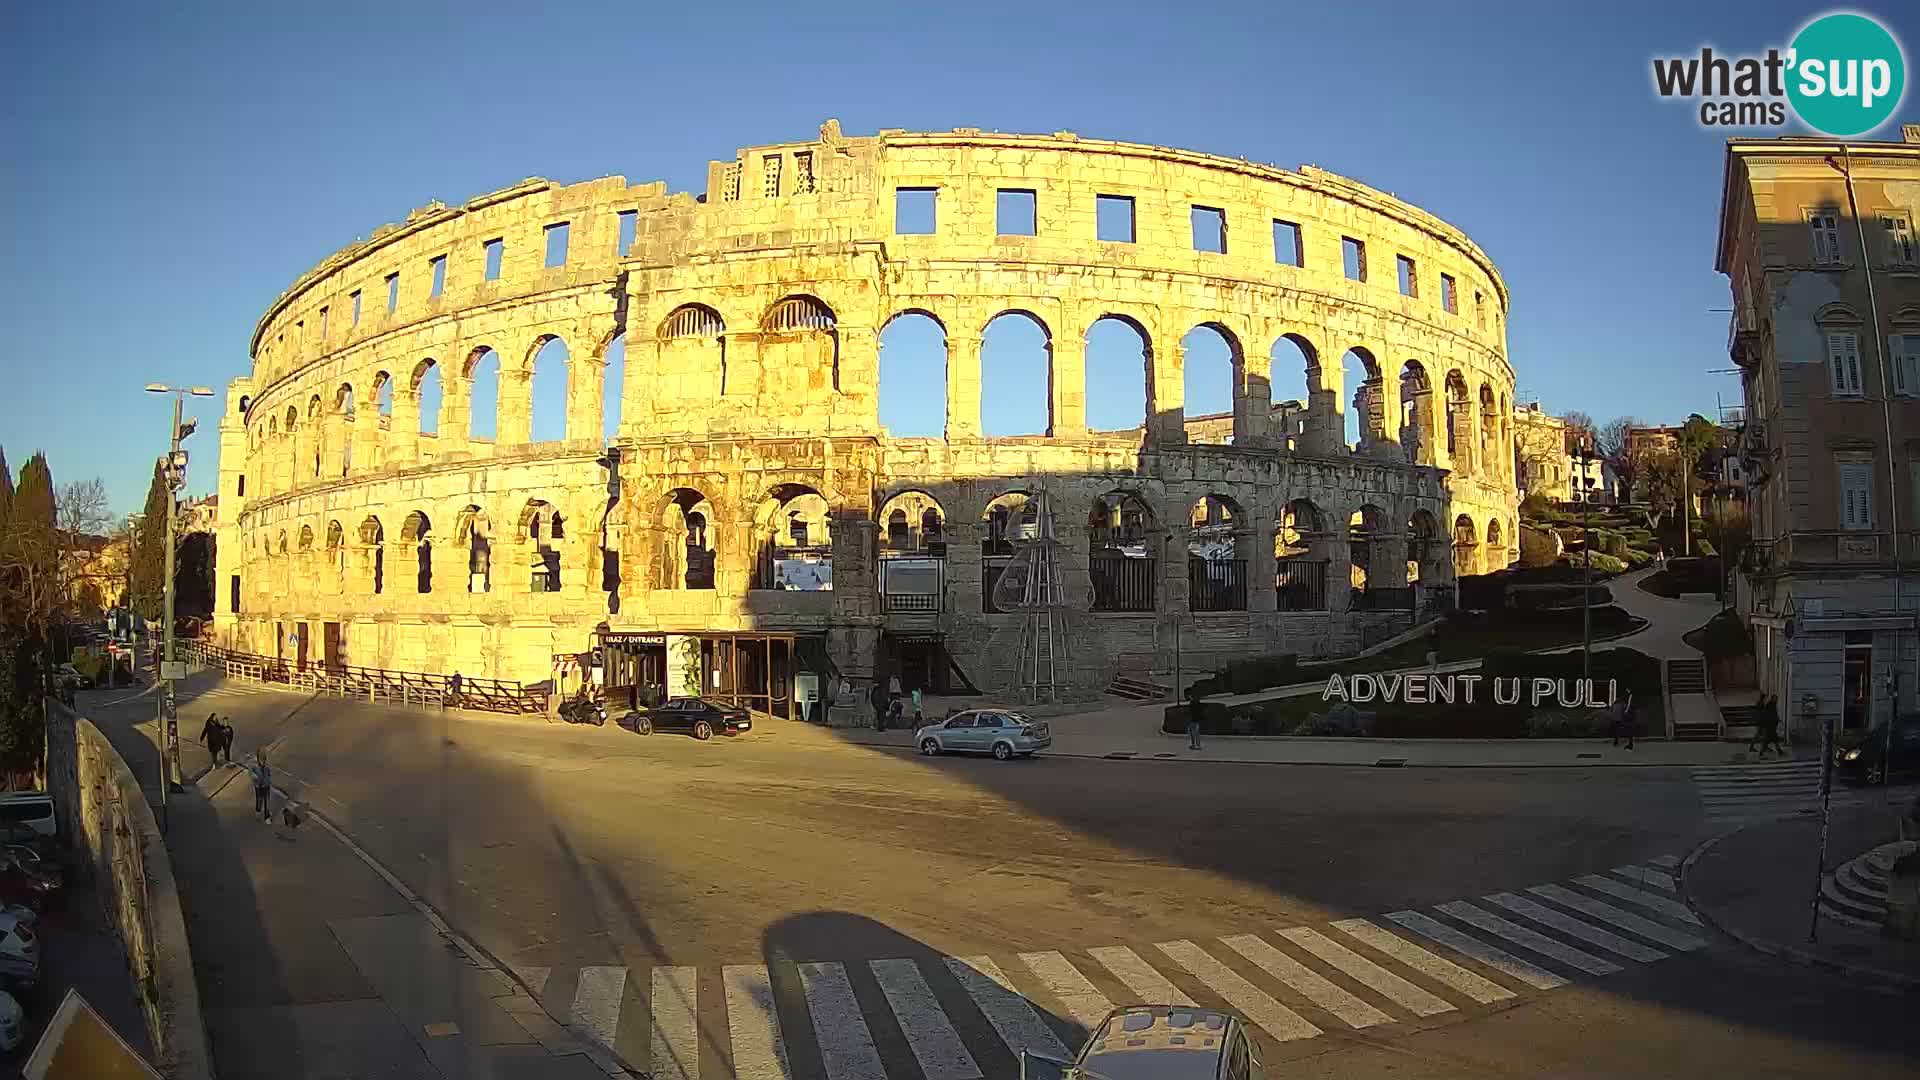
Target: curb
[[1791, 953], [1150, 755]]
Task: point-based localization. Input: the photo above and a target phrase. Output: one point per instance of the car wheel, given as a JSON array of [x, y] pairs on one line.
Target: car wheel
[[1003, 751], [702, 730], [642, 726], [930, 747]]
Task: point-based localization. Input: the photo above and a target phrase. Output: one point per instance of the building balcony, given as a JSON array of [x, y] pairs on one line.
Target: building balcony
[[1822, 549]]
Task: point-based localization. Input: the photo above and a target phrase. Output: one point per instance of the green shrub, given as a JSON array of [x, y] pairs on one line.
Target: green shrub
[[1607, 564]]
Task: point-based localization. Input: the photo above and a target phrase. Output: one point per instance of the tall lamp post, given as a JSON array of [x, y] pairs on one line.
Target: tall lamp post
[[175, 467], [1584, 484]]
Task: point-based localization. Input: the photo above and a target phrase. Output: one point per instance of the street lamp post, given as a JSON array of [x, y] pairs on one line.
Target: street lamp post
[[1585, 486], [175, 471]]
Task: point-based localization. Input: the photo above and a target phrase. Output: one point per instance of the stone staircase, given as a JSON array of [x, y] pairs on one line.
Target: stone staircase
[[1691, 724], [1856, 893], [1135, 687]]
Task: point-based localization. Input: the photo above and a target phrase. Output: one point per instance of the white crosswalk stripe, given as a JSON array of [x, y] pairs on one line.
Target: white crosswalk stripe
[[1439, 969], [1011, 1015], [846, 1046], [1666, 861], [1762, 790], [1279, 1021], [930, 1035], [753, 1024], [1571, 926], [1139, 976], [1084, 1003], [1626, 920], [1527, 939], [1367, 973], [1356, 971], [676, 1028], [1670, 908], [1309, 983]]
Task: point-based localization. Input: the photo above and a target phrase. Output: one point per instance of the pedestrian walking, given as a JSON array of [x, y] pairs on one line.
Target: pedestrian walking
[[262, 787], [1193, 717], [453, 697], [1622, 725], [919, 718], [893, 686], [210, 735], [1766, 728], [877, 697]]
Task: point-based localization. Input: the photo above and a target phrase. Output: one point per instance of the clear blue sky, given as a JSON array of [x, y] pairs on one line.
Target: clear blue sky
[[167, 173]]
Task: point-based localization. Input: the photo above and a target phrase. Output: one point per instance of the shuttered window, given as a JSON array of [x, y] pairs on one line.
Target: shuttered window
[[1856, 495], [1825, 225], [1843, 363], [1903, 353]]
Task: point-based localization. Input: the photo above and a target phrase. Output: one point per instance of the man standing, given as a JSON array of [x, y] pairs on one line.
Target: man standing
[[262, 786], [1623, 720], [878, 699], [454, 699], [1193, 717]]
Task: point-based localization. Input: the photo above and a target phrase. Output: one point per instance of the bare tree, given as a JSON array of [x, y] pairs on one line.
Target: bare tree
[[1580, 427], [1612, 442], [81, 515]]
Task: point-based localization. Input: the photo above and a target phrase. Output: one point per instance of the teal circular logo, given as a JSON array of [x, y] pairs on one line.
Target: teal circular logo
[[1848, 75]]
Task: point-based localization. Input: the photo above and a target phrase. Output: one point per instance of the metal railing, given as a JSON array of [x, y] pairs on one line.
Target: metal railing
[[1216, 584], [1123, 583], [1300, 584], [1375, 598]]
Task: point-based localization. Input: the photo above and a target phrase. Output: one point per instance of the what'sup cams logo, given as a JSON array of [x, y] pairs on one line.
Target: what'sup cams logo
[[1843, 75]]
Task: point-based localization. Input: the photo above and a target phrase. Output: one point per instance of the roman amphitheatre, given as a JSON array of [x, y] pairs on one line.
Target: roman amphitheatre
[[715, 493]]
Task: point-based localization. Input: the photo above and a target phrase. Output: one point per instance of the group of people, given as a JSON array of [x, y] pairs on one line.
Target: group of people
[[890, 705], [218, 737], [1766, 726]]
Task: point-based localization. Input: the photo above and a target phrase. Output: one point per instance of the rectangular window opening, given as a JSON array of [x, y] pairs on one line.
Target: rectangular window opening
[[1900, 247], [437, 270], [556, 244], [1856, 494], [393, 290], [356, 306], [1449, 294], [1210, 229], [1843, 363], [1480, 310], [1113, 219], [1903, 355], [323, 324], [915, 210], [1353, 255], [1286, 244], [1408, 275], [1014, 212], [495, 249], [233, 592], [1825, 227], [629, 223]]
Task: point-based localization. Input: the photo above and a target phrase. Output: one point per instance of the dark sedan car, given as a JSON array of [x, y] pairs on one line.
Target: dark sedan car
[[698, 717], [1862, 758]]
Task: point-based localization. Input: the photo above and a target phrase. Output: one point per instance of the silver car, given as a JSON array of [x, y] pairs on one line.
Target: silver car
[[1001, 732], [1156, 1042]]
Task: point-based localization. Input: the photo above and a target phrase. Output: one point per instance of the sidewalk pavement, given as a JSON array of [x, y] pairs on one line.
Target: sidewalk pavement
[[1133, 731], [1757, 884]]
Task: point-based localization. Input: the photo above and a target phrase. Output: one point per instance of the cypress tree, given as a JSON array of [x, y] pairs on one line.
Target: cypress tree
[[6, 489], [150, 550]]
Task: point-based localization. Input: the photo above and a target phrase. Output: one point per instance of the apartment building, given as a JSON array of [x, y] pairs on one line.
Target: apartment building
[[1541, 462], [1817, 242]]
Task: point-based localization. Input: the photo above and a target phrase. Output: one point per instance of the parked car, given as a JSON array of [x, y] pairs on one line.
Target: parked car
[[33, 809], [1165, 1042], [1862, 758], [34, 858], [21, 884], [1001, 732], [12, 1022], [19, 953], [68, 677], [698, 717]]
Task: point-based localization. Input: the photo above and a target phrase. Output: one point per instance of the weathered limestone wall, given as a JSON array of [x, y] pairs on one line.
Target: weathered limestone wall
[[750, 321]]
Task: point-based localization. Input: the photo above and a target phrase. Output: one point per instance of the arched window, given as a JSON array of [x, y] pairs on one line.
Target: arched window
[[613, 381], [483, 395], [549, 391], [1119, 357], [415, 532], [1216, 555], [1293, 374], [375, 539], [1208, 358], [796, 541], [1416, 413], [1300, 557], [427, 396], [541, 527], [472, 532], [1466, 547], [1016, 364], [799, 334], [913, 376], [1122, 562], [685, 559]]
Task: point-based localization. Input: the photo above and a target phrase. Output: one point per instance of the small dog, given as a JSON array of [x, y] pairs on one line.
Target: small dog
[[288, 817]]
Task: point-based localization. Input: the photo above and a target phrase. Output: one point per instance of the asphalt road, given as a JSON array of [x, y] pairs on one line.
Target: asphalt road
[[570, 853]]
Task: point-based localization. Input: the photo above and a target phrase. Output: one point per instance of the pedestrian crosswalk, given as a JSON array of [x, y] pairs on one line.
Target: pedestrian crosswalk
[[1766, 790], [968, 1018], [233, 690]]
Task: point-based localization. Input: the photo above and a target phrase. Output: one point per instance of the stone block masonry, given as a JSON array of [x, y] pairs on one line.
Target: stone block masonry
[[370, 516]]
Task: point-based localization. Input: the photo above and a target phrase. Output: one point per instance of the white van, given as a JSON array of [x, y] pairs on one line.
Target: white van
[[32, 809]]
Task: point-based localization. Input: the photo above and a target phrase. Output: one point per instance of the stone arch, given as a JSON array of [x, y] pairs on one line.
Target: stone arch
[[472, 529], [799, 334], [1302, 551], [1416, 413], [1368, 533], [1006, 519], [1119, 373], [1423, 548], [688, 549], [912, 401], [541, 525], [374, 537], [793, 527], [1488, 456], [613, 381], [1211, 361], [1303, 417], [1466, 547], [912, 520], [1016, 374], [484, 377], [1122, 560], [306, 539], [1218, 550], [549, 389], [693, 343], [336, 535], [1496, 550], [1366, 423], [246, 402], [282, 548], [429, 395], [1459, 423], [381, 399]]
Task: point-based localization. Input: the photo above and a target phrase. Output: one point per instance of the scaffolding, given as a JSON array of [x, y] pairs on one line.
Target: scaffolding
[[1034, 585]]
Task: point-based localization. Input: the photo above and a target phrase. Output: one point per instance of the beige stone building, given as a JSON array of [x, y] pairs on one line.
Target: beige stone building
[[764, 523], [1816, 239], [1541, 462]]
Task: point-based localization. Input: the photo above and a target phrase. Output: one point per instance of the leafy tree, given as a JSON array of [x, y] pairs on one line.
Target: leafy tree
[[1698, 436], [1662, 474], [149, 569]]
